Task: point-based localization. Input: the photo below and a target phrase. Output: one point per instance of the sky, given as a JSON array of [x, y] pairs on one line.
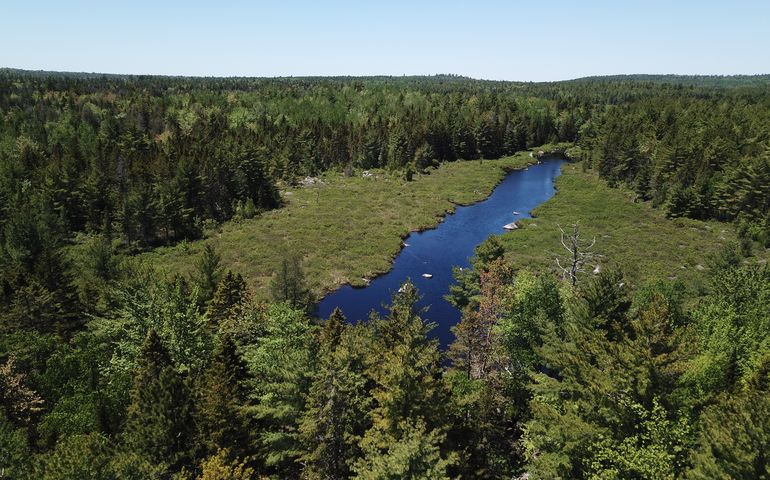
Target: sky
[[499, 40]]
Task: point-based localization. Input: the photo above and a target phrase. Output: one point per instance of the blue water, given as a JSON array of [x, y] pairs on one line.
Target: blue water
[[451, 243]]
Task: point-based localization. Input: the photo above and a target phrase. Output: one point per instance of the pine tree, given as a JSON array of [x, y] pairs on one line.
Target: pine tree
[[222, 400], [338, 402], [414, 454], [405, 374], [734, 439], [230, 295], [288, 284], [485, 382], [160, 424], [601, 374], [281, 359], [221, 466], [209, 272], [332, 331]]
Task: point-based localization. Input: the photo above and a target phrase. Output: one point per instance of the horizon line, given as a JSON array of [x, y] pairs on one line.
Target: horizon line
[[380, 75]]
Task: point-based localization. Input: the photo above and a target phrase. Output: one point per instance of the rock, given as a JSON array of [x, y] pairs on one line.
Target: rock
[[307, 181]]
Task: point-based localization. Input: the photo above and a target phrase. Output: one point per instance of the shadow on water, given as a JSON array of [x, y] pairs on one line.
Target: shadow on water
[[451, 243]]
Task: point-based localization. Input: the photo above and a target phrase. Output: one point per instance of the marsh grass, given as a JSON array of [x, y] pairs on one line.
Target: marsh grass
[[633, 236], [346, 229]]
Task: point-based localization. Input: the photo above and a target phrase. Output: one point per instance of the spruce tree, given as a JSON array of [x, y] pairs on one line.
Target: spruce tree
[[160, 424], [288, 284], [230, 294], [209, 272], [406, 376], [336, 415], [222, 398]]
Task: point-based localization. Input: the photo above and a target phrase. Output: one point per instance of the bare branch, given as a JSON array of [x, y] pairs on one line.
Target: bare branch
[[580, 254]]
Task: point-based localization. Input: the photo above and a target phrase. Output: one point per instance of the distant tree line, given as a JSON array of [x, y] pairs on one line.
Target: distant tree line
[[150, 159]]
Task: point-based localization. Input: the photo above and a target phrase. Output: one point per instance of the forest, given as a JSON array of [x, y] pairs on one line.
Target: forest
[[110, 369]]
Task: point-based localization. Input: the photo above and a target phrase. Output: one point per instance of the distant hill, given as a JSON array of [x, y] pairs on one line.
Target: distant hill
[[686, 80]]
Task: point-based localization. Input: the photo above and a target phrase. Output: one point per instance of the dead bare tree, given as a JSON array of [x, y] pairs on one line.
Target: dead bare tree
[[580, 254]]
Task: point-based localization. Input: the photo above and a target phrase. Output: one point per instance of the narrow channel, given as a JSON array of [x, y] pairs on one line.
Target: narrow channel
[[434, 252]]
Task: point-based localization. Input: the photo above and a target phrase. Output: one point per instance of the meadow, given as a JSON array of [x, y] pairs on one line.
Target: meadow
[[345, 229], [632, 236]]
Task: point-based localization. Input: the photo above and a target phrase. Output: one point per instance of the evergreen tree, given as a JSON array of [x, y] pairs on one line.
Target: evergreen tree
[[734, 439], [209, 273], [222, 398], [406, 378], [598, 384], [414, 454], [220, 466], [281, 360], [338, 402], [78, 456], [288, 284], [160, 425], [230, 295]]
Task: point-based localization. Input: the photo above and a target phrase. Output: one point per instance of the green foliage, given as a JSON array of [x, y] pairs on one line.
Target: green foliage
[[656, 451], [222, 400], [160, 425], [79, 456], [408, 396], [86, 402], [735, 433], [168, 308], [281, 362], [230, 296], [406, 372], [209, 274], [610, 380], [219, 466], [14, 450], [338, 403], [733, 331], [462, 292], [597, 370], [288, 284], [415, 454]]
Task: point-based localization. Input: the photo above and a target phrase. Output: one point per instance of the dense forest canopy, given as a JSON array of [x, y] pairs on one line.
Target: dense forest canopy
[[112, 370]]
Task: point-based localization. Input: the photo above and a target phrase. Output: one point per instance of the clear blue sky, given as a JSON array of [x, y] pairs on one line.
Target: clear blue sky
[[510, 40]]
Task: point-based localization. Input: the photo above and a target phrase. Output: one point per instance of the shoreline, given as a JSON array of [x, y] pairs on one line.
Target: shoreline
[[534, 159]]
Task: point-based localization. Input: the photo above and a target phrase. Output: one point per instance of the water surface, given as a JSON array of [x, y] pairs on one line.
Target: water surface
[[451, 243]]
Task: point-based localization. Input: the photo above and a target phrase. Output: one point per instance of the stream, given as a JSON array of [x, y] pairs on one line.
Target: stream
[[452, 242]]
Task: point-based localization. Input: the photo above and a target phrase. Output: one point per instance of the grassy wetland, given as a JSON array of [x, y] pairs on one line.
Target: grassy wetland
[[346, 229]]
